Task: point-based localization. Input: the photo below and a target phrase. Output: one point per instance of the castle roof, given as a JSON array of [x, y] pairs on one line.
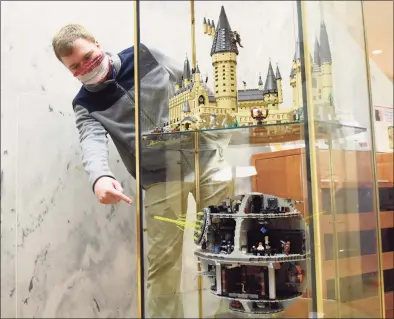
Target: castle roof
[[187, 74], [270, 82], [179, 81], [250, 95], [223, 40], [325, 52], [277, 75], [186, 107], [316, 53]]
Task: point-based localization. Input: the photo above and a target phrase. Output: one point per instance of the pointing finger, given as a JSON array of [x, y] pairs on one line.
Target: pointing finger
[[122, 196]]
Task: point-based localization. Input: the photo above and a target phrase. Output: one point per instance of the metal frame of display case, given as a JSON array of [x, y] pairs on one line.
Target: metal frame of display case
[[308, 128]]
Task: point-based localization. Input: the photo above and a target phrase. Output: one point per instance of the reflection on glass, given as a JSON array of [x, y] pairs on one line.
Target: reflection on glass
[[337, 83], [225, 203]]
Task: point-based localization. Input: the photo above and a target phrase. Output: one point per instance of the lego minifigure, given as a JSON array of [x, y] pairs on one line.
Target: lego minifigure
[[257, 114], [285, 247], [260, 249], [237, 38], [229, 247], [212, 121], [267, 246]]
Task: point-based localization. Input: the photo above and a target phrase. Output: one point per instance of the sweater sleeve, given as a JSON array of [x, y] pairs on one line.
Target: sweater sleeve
[[94, 145]]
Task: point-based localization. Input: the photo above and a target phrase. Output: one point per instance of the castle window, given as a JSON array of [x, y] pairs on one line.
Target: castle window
[[217, 85], [232, 84], [232, 74], [217, 91], [232, 90], [224, 90], [224, 78]]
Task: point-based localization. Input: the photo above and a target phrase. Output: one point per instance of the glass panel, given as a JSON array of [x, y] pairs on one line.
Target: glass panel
[[213, 246], [337, 90]]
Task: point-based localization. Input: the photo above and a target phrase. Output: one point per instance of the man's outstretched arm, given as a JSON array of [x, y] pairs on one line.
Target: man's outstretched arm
[[94, 145]]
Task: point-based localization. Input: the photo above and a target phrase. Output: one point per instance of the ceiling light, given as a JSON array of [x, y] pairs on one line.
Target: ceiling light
[[376, 51]]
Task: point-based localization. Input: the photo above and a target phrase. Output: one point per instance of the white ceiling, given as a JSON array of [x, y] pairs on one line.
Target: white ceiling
[[378, 18], [379, 31]]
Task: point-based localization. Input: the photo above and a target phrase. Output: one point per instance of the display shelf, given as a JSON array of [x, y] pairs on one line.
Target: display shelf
[[263, 215], [249, 258], [267, 300], [244, 135]]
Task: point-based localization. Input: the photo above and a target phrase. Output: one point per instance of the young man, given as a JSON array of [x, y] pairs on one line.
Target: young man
[[105, 105]]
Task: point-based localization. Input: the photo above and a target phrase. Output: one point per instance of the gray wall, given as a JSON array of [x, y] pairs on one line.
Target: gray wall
[[62, 253]]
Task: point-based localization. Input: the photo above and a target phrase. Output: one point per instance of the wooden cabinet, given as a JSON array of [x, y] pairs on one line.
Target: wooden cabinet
[[281, 173]]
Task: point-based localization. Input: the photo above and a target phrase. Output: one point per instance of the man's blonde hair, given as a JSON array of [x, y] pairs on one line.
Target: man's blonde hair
[[63, 41]]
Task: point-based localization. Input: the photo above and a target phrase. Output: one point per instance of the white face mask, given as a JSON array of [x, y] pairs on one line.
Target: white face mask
[[95, 71]]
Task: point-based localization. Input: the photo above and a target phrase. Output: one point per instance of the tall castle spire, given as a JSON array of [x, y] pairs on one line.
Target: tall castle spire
[[223, 40], [325, 52], [270, 83], [278, 75], [187, 74], [316, 53]]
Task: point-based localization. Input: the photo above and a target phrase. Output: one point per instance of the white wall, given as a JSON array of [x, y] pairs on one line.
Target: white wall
[[61, 251]]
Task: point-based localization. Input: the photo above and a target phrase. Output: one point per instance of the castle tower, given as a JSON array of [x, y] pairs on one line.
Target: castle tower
[[178, 84], [316, 72], [295, 78], [260, 83], [197, 76], [187, 74], [326, 73], [209, 28], [213, 29], [270, 89], [205, 26], [224, 60], [278, 77]]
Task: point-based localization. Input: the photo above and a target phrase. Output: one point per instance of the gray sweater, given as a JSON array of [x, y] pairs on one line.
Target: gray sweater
[[108, 108]]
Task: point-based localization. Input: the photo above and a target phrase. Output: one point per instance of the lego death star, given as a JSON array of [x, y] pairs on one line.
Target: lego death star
[[252, 248]]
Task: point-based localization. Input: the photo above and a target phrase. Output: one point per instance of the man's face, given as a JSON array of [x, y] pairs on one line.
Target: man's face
[[83, 52]]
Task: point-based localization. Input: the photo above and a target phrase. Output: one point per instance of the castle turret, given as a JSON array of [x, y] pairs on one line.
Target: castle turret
[[197, 76], [178, 83], [213, 29], [224, 60], [209, 27], [270, 89], [187, 76], [316, 72], [205, 26], [278, 77], [260, 83], [325, 67], [295, 77]]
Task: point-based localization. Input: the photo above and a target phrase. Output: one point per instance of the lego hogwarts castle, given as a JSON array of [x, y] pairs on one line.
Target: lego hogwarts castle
[[195, 106]]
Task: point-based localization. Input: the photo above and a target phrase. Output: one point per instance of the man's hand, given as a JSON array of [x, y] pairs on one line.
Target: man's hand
[[109, 191]]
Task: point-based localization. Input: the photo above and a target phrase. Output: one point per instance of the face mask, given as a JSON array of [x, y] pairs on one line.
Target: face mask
[[94, 71]]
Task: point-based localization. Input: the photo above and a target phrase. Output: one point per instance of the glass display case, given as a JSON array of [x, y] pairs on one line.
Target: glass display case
[[255, 197]]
